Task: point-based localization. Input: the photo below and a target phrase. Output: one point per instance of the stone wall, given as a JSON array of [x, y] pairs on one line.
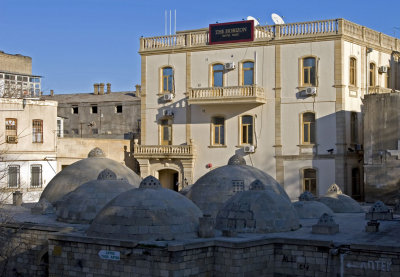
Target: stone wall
[[15, 63]]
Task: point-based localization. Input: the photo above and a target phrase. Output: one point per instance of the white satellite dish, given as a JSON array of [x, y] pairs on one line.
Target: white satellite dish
[[277, 19], [256, 23]]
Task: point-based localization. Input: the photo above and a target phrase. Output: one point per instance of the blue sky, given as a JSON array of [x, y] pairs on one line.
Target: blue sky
[[75, 43]]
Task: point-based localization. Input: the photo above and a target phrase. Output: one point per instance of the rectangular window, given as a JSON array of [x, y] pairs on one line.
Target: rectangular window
[[37, 131], [248, 73], [13, 176], [167, 79], [218, 74], [11, 130], [218, 127], [237, 186], [387, 83], [118, 109], [75, 131], [93, 109], [75, 110], [353, 70], [309, 71], [372, 75], [166, 132], [36, 176], [95, 131], [247, 129], [310, 180], [308, 128]]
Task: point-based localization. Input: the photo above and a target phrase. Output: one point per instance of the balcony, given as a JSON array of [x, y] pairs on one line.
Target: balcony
[[379, 90], [163, 151], [227, 95]]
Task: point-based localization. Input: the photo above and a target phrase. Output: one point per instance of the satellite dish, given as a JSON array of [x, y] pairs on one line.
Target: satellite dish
[[277, 19], [256, 23]]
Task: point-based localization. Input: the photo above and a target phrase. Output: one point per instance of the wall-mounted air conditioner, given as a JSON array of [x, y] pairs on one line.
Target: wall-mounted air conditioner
[[168, 113], [229, 66], [383, 69], [11, 139], [249, 149], [311, 91], [168, 97]]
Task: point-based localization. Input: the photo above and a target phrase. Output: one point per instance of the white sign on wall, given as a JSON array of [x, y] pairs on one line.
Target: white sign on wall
[[109, 255]]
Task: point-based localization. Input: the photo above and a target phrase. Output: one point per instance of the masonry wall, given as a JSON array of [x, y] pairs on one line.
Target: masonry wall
[[15, 63]]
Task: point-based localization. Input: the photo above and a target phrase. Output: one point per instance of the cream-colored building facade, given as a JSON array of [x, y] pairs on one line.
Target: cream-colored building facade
[[289, 101]]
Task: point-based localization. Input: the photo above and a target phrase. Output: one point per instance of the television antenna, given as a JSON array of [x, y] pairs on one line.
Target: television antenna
[[256, 22], [277, 19]]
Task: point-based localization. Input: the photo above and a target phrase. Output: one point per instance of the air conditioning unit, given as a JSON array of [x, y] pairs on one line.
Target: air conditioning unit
[[249, 149], [168, 113], [168, 97], [311, 91], [11, 139], [229, 66], [358, 147], [383, 69]]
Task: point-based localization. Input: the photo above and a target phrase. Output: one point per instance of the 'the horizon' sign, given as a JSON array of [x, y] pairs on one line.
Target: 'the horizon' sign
[[230, 32]]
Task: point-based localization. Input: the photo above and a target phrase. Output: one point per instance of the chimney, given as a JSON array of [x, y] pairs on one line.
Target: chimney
[[96, 88], [101, 88], [138, 89], [108, 88], [52, 92]]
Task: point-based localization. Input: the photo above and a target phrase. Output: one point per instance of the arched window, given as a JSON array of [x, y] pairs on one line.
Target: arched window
[[308, 71], [372, 74], [310, 180], [217, 75], [167, 79], [247, 73], [218, 131], [308, 128], [353, 72], [246, 127], [166, 132], [354, 127]]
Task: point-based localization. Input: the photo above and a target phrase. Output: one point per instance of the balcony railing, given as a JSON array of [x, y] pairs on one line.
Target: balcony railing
[[300, 30], [163, 151], [379, 89], [227, 95]]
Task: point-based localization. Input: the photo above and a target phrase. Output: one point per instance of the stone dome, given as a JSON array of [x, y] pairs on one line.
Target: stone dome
[[258, 210], [307, 206], [339, 202], [84, 171], [83, 204], [213, 189], [147, 213]]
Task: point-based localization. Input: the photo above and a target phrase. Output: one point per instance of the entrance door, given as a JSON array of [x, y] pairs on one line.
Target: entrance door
[[169, 179]]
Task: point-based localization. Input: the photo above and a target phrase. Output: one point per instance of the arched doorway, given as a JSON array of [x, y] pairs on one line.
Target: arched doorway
[[169, 178]]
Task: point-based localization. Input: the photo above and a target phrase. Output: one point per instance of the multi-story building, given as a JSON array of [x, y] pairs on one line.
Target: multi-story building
[[288, 97], [28, 136], [105, 119]]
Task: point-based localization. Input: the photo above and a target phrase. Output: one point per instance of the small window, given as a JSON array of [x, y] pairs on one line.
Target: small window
[[13, 176], [75, 131], [353, 72], [310, 180], [166, 132], [37, 131], [36, 176], [309, 71], [218, 75], [237, 186], [167, 79], [93, 109], [247, 73], [355, 183], [11, 130], [372, 74], [354, 127], [118, 109], [218, 131], [75, 110], [308, 128], [95, 131], [246, 129]]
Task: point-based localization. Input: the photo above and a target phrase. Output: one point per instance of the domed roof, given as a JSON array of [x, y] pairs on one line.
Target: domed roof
[[339, 202], [84, 171], [83, 204], [308, 207], [214, 188], [147, 213], [258, 210]]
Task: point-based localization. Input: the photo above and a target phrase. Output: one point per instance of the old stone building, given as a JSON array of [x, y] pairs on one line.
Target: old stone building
[[28, 131], [381, 113], [288, 97]]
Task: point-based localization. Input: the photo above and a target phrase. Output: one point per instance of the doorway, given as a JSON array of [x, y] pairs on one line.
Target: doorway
[[169, 179]]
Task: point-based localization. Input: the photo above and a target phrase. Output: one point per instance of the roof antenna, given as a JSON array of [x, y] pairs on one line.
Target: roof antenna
[[165, 24]]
